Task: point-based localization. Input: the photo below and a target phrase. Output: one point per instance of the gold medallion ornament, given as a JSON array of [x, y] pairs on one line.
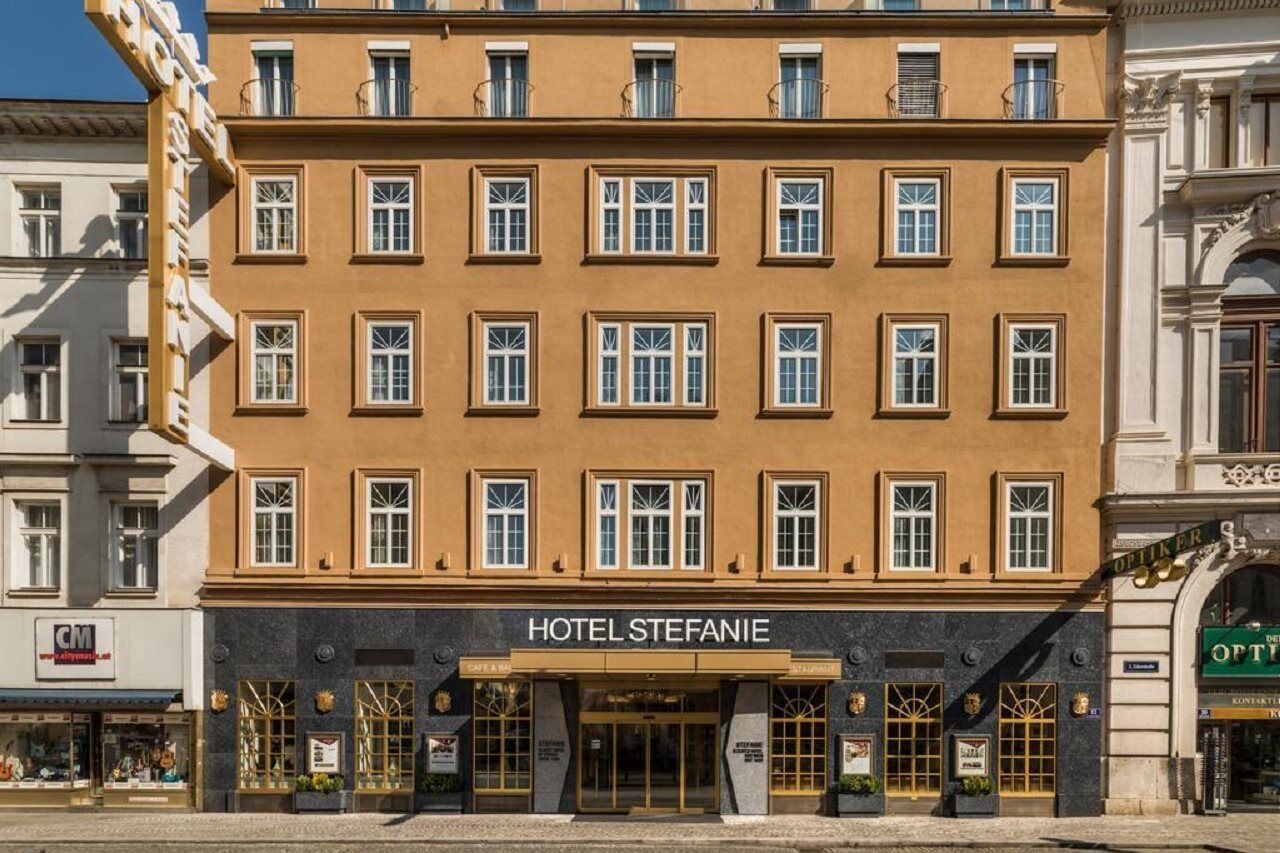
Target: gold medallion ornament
[[972, 703], [857, 703], [442, 701], [324, 701], [1080, 703], [218, 701]]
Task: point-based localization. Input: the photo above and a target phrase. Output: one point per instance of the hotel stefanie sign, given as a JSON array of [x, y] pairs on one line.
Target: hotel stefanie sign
[[1240, 651], [641, 629]]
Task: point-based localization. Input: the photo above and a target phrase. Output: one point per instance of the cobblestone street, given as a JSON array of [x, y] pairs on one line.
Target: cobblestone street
[[544, 834]]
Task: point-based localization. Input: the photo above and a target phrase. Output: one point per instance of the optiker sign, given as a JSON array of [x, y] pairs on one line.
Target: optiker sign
[[75, 648]]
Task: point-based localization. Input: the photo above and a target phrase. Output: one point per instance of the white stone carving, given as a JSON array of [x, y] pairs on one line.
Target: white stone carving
[[1145, 100], [1245, 474], [1265, 206]]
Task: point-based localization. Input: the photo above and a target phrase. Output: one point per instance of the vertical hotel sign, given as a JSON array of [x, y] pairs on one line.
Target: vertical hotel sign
[[147, 34]]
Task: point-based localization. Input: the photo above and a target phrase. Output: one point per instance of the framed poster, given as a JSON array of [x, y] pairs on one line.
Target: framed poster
[[972, 754], [324, 752], [856, 754], [442, 753]]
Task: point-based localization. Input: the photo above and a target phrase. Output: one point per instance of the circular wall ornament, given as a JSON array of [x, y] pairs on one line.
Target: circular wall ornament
[[324, 653], [971, 656], [1080, 656], [219, 653], [857, 655], [444, 654]]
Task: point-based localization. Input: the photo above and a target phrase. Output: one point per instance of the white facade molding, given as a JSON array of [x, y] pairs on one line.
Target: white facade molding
[[653, 47], [396, 45], [506, 47], [270, 46], [920, 47], [1038, 48], [1145, 100], [804, 49]]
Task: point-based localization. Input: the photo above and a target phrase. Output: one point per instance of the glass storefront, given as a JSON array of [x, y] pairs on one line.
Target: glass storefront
[[44, 750], [145, 751]]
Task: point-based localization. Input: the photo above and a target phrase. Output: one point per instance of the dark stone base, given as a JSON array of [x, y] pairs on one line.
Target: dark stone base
[[964, 806], [438, 803], [310, 802], [859, 805]]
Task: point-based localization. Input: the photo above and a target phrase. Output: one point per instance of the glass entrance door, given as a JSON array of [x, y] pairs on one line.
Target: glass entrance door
[[647, 766]]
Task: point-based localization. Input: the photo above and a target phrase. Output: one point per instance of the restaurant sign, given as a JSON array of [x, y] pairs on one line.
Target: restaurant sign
[[1240, 651]]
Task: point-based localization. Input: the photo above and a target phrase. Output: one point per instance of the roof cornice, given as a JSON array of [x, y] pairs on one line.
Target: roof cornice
[[94, 119], [1158, 8]]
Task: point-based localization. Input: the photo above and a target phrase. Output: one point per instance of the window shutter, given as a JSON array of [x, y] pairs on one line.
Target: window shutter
[[917, 66]]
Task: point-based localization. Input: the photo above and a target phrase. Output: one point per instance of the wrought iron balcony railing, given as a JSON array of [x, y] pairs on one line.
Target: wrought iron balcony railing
[[1031, 100], [386, 97], [917, 99], [651, 98], [503, 97], [268, 96], [800, 98]]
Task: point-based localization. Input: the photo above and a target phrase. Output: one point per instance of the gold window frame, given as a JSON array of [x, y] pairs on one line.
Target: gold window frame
[[485, 711], [1028, 728], [383, 735], [798, 739], [263, 708], [912, 718]]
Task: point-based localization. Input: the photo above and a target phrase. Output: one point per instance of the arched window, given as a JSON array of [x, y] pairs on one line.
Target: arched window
[[1255, 273], [1249, 355], [1251, 594]]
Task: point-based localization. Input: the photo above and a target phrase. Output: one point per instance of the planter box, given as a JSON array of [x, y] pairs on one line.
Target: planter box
[[859, 805], [312, 802], [970, 807], [439, 803]]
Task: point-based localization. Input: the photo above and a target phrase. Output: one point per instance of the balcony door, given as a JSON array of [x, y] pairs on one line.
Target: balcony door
[[655, 86], [1033, 88], [390, 95], [275, 83], [509, 85], [801, 95]]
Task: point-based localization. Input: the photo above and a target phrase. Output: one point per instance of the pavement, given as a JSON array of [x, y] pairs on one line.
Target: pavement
[[215, 833]]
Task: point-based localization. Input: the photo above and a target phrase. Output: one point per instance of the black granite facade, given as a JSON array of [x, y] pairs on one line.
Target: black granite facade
[[318, 649]]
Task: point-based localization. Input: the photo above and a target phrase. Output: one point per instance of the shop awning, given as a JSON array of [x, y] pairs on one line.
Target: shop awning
[[719, 663], [30, 697]]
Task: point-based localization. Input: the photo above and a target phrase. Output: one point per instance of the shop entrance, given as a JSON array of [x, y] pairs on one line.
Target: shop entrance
[[648, 749], [1251, 777]]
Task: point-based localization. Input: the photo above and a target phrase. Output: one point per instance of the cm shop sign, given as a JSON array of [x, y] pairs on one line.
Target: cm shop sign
[[72, 649], [1240, 652]]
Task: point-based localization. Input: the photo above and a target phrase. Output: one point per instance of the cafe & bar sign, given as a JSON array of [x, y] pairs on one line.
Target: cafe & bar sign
[[1240, 651]]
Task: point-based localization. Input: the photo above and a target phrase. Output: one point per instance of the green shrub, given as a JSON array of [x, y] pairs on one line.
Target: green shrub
[[859, 784], [977, 786], [319, 783], [439, 783]]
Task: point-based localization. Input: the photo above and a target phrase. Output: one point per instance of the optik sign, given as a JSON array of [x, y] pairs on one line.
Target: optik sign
[[75, 649]]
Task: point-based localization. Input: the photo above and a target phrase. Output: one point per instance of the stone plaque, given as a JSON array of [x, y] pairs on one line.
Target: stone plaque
[[550, 747], [746, 748]]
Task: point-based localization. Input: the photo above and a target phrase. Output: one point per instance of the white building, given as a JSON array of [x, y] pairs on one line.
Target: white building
[[1194, 428], [105, 527]]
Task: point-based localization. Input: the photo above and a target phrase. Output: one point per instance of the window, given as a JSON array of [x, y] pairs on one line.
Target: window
[[913, 740], [275, 513], [796, 507], [913, 525], [916, 205], [267, 724], [275, 210], [1028, 739], [135, 546], [660, 364], [800, 90], [1029, 507], [915, 365], [918, 92], [1268, 103], [506, 356], [131, 222], [799, 217], [390, 92], [505, 522], [129, 397], [391, 225], [1034, 94], [797, 364], [274, 92], [275, 361], [390, 363], [650, 522], [667, 215], [40, 368], [1249, 386], [507, 215], [509, 87], [389, 522], [384, 736], [798, 739], [40, 212], [1035, 215], [1032, 365], [654, 89], [1218, 142], [39, 558], [502, 726]]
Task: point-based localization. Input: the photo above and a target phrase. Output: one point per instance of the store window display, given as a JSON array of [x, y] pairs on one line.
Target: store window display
[[44, 751], [145, 750]]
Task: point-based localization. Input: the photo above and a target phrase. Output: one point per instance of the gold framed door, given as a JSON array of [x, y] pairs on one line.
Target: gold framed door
[[658, 763]]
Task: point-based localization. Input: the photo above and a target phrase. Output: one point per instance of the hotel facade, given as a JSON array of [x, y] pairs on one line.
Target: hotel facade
[[668, 407]]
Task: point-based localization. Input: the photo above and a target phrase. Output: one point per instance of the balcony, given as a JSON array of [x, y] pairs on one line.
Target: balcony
[[917, 99], [800, 99], [702, 7], [386, 98], [268, 97], [503, 97], [1033, 100], [651, 98]]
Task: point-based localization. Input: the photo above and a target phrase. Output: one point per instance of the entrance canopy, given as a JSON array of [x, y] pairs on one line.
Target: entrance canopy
[[718, 663]]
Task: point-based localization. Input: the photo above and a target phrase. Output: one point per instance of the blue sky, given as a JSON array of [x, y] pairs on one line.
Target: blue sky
[[83, 66]]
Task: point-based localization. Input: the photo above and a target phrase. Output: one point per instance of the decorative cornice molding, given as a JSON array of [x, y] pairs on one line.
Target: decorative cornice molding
[[1156, 8], [106, 119], [1242, 475]]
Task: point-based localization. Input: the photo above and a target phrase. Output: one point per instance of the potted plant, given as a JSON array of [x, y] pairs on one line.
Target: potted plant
[[858, 795], [439, 792], [320, 793], [974, 796]]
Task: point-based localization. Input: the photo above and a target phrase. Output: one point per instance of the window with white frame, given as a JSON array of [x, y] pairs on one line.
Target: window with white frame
[[506, 358], [135, 546], [390, 91], [40, 368], [915, 365], [913, 517], [916, 206], [799, 225], [506, 523], [662, 522], [39, 559], [275, 361], [275, 507], [390, 215], [129, 397], [1029, 525], [131, 222], [796, 507], [275, 214], [506, 205], [695, 216], [1033, 365], [797, 364], [40, 212], [653, 216], [1035, 216], [611, 215], [390, 362], [389, 521], [666, 364]]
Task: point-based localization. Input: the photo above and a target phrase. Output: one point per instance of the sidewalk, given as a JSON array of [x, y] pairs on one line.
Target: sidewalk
[[1245, 832]]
